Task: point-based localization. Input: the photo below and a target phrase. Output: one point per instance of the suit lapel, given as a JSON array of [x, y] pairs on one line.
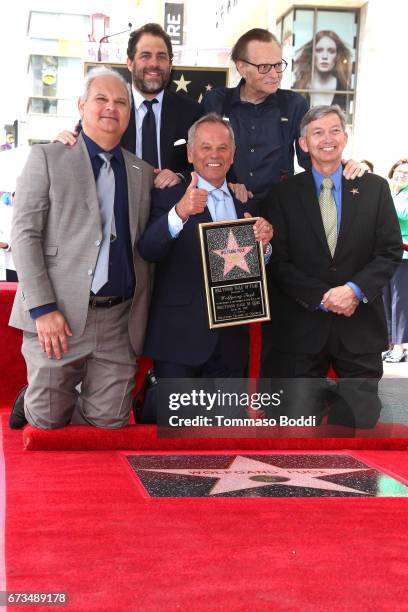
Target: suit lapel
[[309, 206], [167, 121], [348, 209], [134, 180], [84, 175]]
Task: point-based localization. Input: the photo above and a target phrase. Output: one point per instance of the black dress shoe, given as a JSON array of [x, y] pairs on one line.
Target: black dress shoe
[[17, 417]]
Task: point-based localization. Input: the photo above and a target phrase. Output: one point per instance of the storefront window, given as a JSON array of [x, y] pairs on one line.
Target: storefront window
[[321, 46]]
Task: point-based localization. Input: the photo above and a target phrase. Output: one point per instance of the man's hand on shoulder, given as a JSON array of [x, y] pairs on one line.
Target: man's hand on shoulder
[[240, 192], [165, 178], [67, 138], [341, 300], [194, 200], [53, 330], [353, 169]]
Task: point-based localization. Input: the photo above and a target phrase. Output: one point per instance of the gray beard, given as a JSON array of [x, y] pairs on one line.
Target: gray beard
[[150, 88]]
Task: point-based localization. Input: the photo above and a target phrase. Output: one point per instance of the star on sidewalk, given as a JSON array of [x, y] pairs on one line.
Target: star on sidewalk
[[181, 83], [245, 473], [233, 254]]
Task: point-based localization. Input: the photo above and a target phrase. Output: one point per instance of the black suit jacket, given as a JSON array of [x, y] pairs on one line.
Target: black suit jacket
[[178, 114], [178, 329], [301, 270]]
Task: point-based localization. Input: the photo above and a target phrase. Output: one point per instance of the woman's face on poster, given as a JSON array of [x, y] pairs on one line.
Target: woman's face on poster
[[325, 54]]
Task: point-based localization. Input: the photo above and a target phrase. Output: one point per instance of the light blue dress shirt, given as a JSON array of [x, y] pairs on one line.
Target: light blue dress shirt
[[140, 111], [176, 224]]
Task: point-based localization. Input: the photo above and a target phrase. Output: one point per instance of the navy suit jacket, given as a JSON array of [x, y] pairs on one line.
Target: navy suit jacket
[[301, 269], [178, 114], [178, 330]]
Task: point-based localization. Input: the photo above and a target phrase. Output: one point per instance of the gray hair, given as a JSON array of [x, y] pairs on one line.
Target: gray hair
[[103, 71], [210, 118], [318, 112]]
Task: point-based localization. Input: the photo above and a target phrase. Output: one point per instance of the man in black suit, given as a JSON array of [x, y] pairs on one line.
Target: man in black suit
[[178, 337], [157, 130], [336, 244]]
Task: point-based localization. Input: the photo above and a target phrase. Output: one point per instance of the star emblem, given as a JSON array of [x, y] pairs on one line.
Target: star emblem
[[245, 473], [181, 84], [233, 254], [354, 191], [208, 87]]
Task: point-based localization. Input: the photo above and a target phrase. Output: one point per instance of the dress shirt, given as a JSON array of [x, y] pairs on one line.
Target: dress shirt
[[258, 136], [176, 224], [121, 280], [140, 111], [336, 177]]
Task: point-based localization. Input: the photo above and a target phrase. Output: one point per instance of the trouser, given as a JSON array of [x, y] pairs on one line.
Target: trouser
[[101, 359]]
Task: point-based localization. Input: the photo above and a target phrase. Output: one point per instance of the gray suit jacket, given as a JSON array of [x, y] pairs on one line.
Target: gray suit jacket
[[56, 227]]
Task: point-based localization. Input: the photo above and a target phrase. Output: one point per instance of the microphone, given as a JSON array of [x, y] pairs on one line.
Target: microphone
[[105, 39]]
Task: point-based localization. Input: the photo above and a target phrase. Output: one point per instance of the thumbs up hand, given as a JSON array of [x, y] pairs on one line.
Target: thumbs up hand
[[194, 200]]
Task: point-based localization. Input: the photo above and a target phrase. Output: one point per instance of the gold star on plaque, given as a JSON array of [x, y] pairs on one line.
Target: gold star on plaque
[[354, 191], [181, 84]]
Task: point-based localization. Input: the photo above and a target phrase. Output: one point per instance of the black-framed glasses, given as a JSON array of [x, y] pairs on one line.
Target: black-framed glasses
[[265, 68]]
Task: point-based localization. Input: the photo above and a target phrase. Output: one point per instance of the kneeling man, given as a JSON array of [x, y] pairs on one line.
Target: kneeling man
[[335, 246], [84, 290]]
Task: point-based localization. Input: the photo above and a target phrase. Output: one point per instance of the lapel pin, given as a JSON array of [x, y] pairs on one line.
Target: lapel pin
[[354, 191], [137, 167]]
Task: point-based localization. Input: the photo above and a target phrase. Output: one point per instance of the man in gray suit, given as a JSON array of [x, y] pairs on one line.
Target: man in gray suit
[[84, 290]]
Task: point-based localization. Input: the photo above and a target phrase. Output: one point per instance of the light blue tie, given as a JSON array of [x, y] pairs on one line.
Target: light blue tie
[[221, 210], [105, 189]]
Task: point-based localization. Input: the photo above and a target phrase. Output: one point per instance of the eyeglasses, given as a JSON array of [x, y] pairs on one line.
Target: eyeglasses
[[265, 68]]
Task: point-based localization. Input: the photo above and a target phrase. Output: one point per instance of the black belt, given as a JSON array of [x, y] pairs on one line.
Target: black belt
[[106, 302]]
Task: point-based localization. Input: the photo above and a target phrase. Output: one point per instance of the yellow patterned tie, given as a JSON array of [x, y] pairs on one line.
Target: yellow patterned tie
[[329, 213]]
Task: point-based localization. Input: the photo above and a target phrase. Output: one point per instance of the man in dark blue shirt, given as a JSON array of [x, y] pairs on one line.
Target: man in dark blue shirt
[[265, 118], [84, 290]]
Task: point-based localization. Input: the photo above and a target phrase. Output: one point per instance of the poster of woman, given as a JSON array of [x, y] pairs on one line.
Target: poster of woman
[[324, 55], [324, 65]]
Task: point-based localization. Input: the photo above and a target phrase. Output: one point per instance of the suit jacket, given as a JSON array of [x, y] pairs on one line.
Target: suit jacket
[[178, 114], [56, 227], [302, 269], [178, 329]]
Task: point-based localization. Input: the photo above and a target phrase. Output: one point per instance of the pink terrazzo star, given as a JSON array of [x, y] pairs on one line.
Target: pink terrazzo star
[[233, 254]]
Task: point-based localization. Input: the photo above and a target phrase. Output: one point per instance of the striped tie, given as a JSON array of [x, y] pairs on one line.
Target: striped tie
[[329, 213]]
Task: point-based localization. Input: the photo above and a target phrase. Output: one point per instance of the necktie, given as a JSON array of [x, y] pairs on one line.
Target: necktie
[[329, 213], [149, 135], [221, 212], [105, 189]]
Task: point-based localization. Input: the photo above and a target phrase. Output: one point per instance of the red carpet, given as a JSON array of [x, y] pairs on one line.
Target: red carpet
[[144, 437], [76, 522]]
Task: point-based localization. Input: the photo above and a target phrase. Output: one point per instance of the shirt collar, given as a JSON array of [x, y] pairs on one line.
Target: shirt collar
[[335, 177], [138, 98], [94, 149], [203, 184], [236, 98]]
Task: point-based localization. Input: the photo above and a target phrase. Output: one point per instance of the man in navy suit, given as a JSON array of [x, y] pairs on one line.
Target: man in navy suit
[[178, 336]]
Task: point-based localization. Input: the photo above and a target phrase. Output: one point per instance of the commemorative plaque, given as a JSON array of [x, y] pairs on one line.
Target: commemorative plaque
[[234, 273]]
